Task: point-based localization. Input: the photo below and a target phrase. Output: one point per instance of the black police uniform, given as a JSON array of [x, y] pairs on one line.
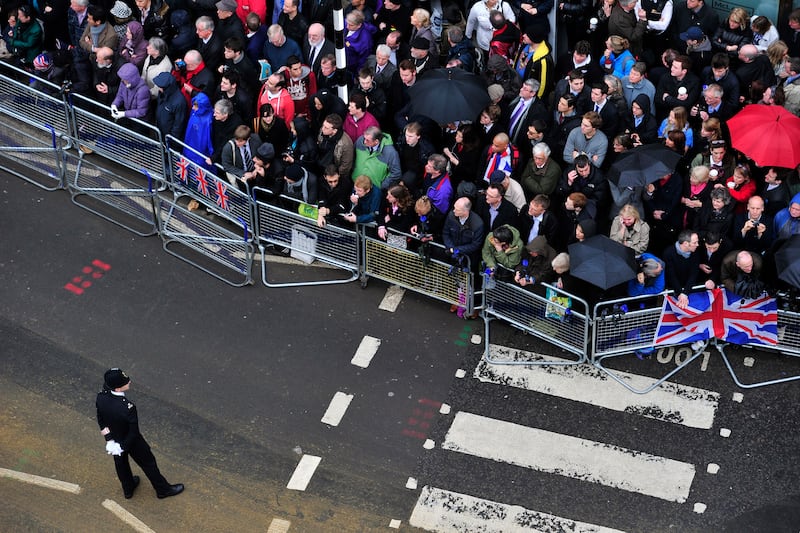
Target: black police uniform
[[118, 414]]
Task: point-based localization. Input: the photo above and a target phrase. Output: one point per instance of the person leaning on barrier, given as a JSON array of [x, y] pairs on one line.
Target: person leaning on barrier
[[428, 221], [502, 247], [649, 277], [299, 184], [464, 231], [133, 96], [365, 201], [334, 195], [265, 171], [237, 157], [171, 109], [682, 265], [396, 214], [536, 265], [741, 274]]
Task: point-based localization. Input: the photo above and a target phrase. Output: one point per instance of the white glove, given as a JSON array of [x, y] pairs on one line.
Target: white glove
[[114, 109], [120, 114], [113, 448]]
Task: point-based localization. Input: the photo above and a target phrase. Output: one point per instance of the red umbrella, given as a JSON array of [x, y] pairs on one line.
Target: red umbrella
[[767, 134]]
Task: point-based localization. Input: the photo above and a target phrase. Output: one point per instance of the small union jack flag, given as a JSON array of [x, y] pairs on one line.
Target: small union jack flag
[[183, 169], [718, 314], [222, 195], [202, 181]]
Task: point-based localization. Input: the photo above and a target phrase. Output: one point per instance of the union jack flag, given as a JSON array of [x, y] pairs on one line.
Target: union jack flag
[[222, 195], [202, 181], [718, 314], [183, 169]]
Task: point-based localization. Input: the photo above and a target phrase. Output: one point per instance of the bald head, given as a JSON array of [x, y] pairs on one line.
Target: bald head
[[744, 261], [748, 52]]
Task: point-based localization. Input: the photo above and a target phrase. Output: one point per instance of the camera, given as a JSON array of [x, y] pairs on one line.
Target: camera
[[180, 64], [286, 153]]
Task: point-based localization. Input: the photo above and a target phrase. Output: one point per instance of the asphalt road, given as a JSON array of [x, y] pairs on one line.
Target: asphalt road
[[232, 383]]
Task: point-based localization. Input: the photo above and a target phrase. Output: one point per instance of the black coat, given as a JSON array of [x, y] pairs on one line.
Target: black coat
[[506, 214]]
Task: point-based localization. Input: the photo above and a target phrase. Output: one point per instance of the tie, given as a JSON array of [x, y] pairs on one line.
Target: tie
[[596, 108], [247, 160], [560, 119], [515, 116], [312, 56]]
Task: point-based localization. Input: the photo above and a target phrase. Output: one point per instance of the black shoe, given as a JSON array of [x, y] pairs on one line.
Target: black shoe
[[174, 490], [129, 495]]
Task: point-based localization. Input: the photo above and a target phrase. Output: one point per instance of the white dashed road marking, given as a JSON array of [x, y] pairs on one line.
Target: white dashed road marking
[[302, 474], [337, 408], [41, 481], [366, 351]]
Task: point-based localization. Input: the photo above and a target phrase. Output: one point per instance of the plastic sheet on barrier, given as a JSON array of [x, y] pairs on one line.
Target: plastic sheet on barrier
[[214, 192], [32, 155], [547, 318], [204, 239]]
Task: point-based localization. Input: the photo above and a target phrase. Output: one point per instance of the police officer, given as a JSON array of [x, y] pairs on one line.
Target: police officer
[[119, 424]]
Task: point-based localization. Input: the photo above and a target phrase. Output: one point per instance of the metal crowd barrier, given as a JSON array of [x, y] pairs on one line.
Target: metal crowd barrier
[[284, 228], [36, 129], [108, 194], [788, 344], [620, 327], [417, 271], [133, 143], [557, 320], [193, 237], [213, 192]]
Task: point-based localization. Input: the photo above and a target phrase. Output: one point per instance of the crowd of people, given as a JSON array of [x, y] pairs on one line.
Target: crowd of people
[[251, 87]]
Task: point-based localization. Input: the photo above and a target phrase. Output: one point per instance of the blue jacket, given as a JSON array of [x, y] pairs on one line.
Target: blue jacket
[[198, 130], [278, 55], [651, 285], [783, 221]]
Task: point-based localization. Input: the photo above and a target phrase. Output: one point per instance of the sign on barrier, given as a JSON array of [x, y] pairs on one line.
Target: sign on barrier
[[96, 189], [288, 229], [120, 143], [418, 272], [557, 320], [193, 238], [212, 191]]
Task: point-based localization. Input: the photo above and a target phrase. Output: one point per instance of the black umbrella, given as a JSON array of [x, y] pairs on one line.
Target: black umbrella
[[448, 95], [602, 262], [642, 165], [787, 261]]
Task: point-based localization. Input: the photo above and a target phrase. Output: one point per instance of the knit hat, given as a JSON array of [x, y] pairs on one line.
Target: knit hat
[[497, 176], [535, 34], [421, 43], [266, 152], [495, 91], [121, 10], [163, 80], [42, 62], [116, 378], [294, 172]]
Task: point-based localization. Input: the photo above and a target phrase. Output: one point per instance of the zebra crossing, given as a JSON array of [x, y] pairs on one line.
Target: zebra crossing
[[510, 450]]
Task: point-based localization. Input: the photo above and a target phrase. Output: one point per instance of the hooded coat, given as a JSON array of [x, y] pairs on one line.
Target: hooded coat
[[134, 50], [648, 127], [198, 130], [133, 95]]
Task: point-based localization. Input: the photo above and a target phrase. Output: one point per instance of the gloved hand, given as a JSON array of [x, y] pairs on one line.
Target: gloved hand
[[116, 113], [113, 448]]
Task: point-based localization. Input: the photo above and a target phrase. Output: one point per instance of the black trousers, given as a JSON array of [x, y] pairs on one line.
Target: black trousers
[[140, 452]]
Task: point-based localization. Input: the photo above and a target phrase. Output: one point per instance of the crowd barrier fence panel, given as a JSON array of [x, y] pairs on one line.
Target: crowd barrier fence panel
[[549, 320], [118, 142], [198, 234], [36, 126], [97, 188], [788, 344], [417, 271], [622, 326], [214, 192], [278, 226]]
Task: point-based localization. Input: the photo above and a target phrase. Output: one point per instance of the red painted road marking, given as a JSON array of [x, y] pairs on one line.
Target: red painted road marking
[[96, 271], [420, 418]]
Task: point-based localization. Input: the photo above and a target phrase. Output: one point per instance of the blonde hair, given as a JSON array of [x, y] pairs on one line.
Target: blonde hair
[[618, 44], [629, 211], [739, 16], [699, 174], [422, 16], [776, 52]]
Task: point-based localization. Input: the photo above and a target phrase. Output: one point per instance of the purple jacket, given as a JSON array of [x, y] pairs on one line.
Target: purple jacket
[[134, 100], [440, 192], [358, 46]]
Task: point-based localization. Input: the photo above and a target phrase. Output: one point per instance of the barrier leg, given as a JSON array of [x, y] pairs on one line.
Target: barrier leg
[[720, 346]]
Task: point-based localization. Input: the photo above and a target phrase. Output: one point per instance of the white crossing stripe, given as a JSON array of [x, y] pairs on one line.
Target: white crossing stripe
[[302, 474], [279, 525], [451, 512], [41, 481], [555, 453], [392, 298], [366, 351], [126, 517], [338, 406], [670, 402]]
